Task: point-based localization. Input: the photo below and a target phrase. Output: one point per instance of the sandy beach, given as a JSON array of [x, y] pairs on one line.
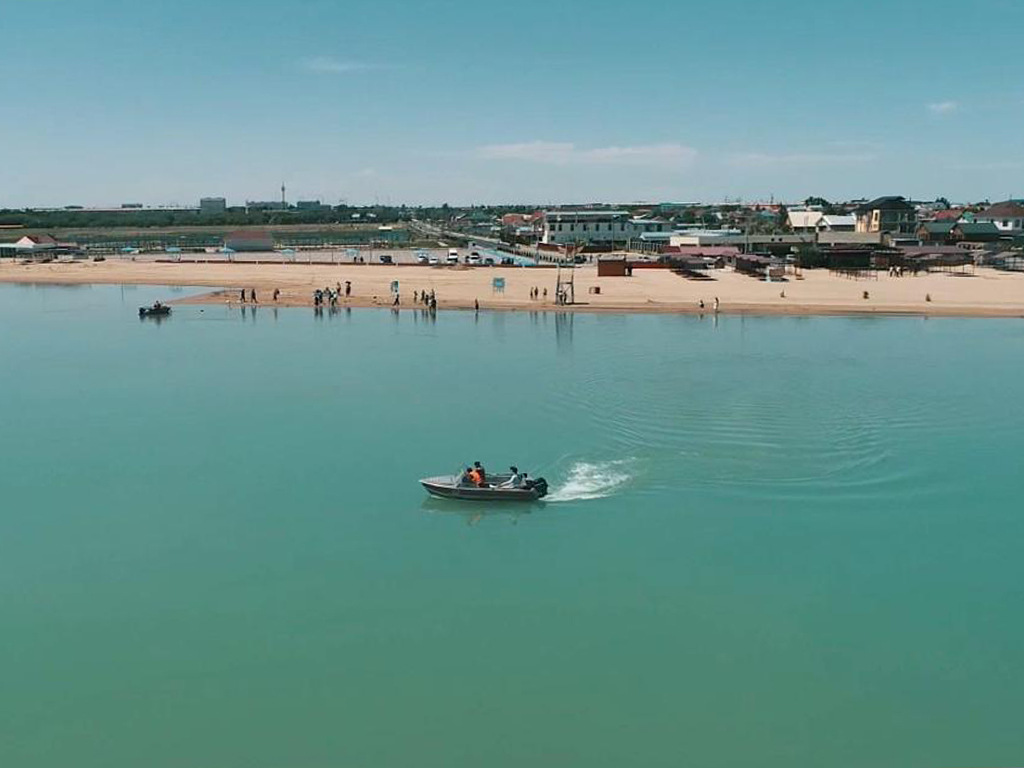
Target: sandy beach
[[985, 293]]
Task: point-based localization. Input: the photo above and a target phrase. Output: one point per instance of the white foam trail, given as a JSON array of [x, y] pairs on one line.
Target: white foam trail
[[592, 481]]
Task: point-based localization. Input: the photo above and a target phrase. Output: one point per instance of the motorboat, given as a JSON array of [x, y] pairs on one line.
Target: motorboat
[[452, 487], [157, 310]]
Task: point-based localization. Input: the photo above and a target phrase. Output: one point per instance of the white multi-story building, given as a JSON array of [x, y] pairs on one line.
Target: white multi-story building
[[599, 226], [586, 226]]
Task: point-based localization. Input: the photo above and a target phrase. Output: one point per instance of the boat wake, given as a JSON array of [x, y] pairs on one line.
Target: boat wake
[[592, 481]]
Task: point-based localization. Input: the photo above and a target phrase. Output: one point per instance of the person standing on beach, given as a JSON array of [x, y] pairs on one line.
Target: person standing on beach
[[476, 305], [348, 288], [242, 295], [277, 292], [252, 294], [716, 303]]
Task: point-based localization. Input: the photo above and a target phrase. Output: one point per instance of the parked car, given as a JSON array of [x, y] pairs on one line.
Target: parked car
[[473, 259], [386, 259], [489, 261], [508, 261], [422, 259], [453, 257], [434, 261]]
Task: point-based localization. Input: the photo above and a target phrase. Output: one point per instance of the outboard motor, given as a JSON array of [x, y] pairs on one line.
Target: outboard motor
[[541, 486]]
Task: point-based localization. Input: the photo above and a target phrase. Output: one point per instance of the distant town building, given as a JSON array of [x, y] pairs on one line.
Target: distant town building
[[600, 227], [837, 223], [585, 226], [936, 232], [954, 232], [265, 205], [1008, 216], [309, 205], [804, 219], [953, 214], [976, 232], [212, 206], [249, 240], [42, 245], [891, 214], [35, 243]]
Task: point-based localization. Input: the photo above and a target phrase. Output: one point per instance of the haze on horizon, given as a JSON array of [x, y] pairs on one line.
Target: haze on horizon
[[105, 101]]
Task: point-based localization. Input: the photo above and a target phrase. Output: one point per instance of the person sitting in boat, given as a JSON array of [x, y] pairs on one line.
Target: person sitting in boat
[[482, 480], [467, 477], [515, 481]]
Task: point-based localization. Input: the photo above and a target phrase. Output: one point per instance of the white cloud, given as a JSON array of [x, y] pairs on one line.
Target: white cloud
[[567, 153], [327, 65], [943, 107]]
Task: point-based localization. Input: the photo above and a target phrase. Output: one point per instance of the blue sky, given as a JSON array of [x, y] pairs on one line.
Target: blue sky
[[111, 101]]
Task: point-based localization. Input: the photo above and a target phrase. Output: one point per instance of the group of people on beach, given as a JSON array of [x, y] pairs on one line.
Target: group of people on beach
[[700, 304], [331, 295], [426, 298], [252, 295], [535, 293]]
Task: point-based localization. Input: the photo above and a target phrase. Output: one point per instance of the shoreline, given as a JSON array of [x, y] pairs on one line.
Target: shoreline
[[984, 294]]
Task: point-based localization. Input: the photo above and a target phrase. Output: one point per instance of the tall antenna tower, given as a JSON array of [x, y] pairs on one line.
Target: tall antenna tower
[[284, 202]]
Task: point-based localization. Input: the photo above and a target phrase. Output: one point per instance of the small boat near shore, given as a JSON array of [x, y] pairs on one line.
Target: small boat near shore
[[157, 310], [451, 487]]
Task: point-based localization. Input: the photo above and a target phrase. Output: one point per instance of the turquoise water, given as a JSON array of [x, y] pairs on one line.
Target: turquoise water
[[773, 541]]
